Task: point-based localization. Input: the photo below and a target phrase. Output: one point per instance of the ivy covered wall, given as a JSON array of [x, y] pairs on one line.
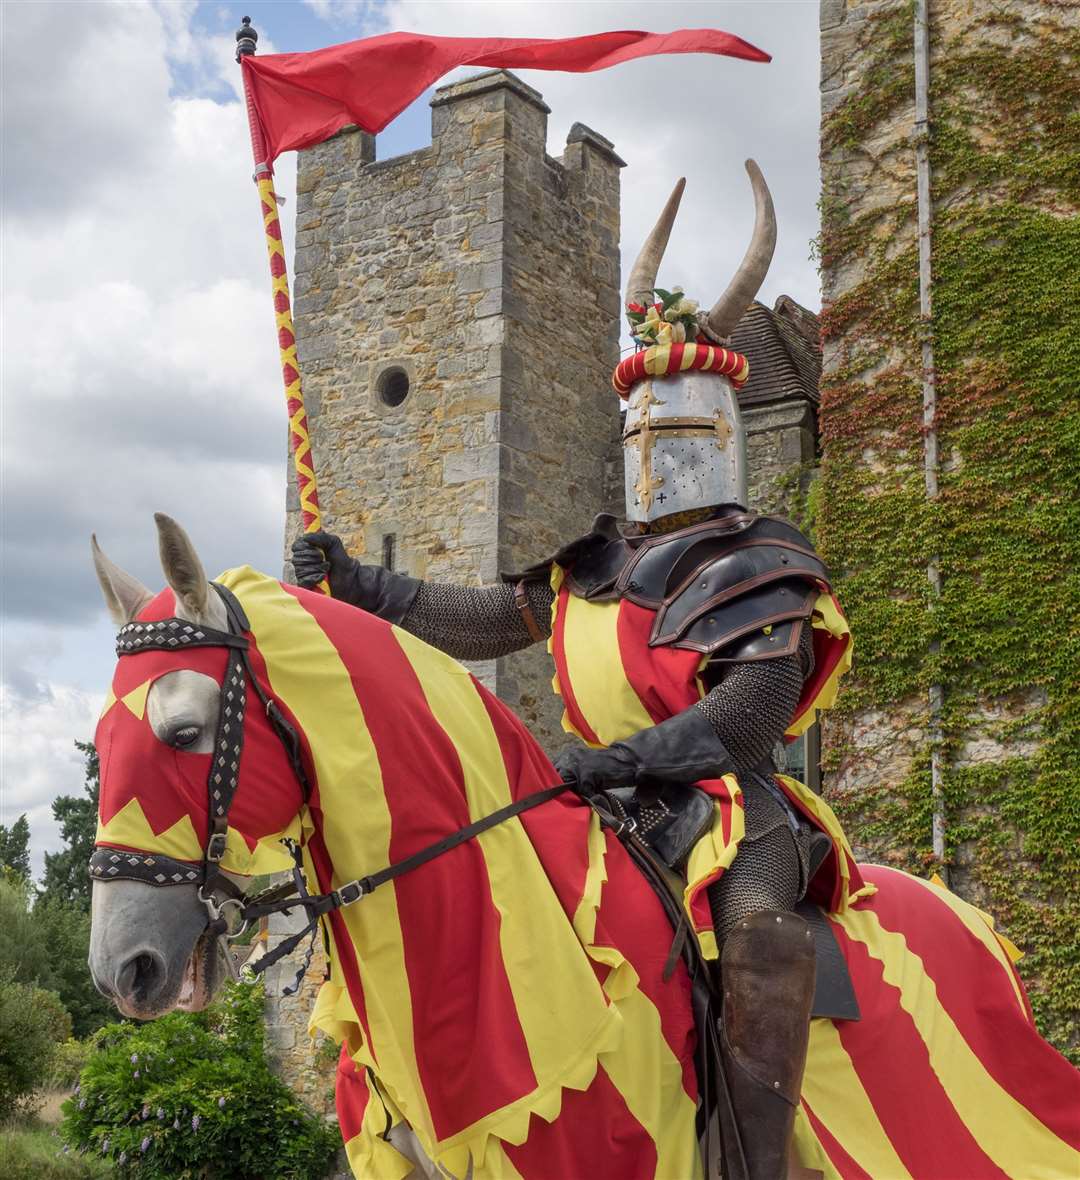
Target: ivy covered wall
[[1003, 639]]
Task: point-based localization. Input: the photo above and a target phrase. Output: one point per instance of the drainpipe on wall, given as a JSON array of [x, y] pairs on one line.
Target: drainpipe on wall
[[929, 390]]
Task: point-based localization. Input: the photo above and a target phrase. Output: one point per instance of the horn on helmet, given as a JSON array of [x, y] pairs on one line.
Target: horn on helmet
[[642, 280], [730, 307]]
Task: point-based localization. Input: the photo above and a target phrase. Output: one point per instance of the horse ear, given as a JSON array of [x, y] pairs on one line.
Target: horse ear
[[125, 596], [183, 570]]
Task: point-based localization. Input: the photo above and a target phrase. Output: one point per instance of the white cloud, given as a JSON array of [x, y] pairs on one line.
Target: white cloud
[[38, 759], [139, 369]]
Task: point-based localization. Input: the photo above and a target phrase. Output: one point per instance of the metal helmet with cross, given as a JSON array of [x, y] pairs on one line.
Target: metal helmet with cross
[[683, 442]]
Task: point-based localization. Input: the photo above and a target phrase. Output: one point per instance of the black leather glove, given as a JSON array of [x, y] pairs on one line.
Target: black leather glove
[[322, 555], [678, 751]]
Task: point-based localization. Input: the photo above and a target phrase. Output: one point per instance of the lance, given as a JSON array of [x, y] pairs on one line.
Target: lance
[[299, 438]]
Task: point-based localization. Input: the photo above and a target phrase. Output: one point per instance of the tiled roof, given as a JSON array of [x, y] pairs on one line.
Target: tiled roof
[[784, 350]]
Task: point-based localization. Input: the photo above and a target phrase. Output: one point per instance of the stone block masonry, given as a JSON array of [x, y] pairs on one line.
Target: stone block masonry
[[457, 314]]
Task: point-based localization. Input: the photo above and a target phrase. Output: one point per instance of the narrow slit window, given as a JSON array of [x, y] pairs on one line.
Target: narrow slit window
[[389, 543]]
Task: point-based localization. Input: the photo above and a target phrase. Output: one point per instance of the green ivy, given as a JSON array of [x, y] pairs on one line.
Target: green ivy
[[1005, 528]]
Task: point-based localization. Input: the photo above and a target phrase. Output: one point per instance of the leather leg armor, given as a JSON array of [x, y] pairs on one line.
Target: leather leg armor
[[767, 979], [767, 968]]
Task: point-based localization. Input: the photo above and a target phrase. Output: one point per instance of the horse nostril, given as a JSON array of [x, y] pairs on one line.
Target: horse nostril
[[140, 977]]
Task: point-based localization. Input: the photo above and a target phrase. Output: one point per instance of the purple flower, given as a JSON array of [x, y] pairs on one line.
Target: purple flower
[[134, 1058], [196, 1122], [135, 1074], [176, 1125], [105, 1144], [82, 1103], [145, 1111], [221, 1101], [145, 1145], [160, 1113], [123, 1158], [78, 1087]]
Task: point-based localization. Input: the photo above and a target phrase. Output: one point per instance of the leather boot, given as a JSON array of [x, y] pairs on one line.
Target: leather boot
[[767, 972]]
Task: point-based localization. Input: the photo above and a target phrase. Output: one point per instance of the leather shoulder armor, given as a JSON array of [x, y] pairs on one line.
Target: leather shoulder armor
[[738, 597], [738, 588]]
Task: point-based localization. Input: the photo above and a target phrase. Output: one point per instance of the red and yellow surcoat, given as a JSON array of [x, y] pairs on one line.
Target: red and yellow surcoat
[[613, 683]]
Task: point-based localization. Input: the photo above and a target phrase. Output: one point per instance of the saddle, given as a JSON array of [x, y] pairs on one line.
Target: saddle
[[670, 822]]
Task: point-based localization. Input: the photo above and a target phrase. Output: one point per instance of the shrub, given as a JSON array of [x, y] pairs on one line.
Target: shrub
[[32, 1021], [69, 1060], [45, 943], [191, 1095], [37, 1154]]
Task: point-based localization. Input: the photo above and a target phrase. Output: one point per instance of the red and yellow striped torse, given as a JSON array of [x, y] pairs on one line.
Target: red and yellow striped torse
[[661, 360]]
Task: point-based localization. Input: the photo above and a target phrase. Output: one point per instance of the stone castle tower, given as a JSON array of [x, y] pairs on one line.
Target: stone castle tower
[[457, 311]]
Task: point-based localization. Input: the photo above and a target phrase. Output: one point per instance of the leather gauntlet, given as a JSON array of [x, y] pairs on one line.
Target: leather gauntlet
[[678, 751], [371, 587]]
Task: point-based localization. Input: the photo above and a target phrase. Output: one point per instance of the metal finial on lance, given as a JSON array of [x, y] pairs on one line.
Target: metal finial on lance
[[246, 38]]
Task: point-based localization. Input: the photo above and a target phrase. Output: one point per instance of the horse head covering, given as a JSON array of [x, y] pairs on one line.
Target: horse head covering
[[154, 797]]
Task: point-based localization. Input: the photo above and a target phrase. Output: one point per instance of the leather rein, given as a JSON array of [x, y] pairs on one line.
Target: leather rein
[[230, 911]]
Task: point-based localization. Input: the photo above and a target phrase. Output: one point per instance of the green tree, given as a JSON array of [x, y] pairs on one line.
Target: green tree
[[45, 944], [32, 1023], [15, 848], [65, 876]]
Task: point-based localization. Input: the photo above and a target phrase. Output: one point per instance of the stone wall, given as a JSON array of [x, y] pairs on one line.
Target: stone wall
[[456, 265], [306, 1063], [879, 746], [781, 452], [869, 189]]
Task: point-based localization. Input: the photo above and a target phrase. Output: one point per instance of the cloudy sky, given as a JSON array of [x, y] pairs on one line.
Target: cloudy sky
[[139, 367]]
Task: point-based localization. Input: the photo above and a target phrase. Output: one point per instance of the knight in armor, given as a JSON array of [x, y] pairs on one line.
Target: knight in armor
[[686, 645]]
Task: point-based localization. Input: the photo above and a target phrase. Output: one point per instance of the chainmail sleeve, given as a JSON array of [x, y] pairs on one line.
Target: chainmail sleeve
[[477, 622], [753, 704]]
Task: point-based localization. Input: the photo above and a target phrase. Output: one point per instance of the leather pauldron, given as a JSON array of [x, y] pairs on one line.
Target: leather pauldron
[[739, 587]]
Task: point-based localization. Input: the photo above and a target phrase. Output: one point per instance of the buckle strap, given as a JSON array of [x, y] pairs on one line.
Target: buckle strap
[[325, 903]]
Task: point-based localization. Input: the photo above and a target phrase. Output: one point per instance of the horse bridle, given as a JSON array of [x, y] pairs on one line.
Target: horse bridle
[[230, 911]]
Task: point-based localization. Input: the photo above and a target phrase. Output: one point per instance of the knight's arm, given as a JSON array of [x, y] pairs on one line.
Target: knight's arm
[[466, 622], [752, 706], [732, 728]]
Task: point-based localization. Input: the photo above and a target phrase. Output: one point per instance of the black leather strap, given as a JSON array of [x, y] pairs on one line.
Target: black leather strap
[[318, 905]]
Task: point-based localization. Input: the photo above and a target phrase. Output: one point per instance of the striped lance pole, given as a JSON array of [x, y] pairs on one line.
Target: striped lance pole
[[299, 439]]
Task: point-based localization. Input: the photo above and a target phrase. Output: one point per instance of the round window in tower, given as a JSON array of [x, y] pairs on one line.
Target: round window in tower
[[392, 386]]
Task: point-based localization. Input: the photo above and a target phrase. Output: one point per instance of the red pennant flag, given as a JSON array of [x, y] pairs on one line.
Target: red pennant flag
[[304, 98]]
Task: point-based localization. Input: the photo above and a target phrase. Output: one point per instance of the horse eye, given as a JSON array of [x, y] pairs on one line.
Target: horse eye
[[186, 736]]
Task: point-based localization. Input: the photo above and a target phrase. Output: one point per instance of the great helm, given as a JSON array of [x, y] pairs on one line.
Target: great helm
[[683, 441]]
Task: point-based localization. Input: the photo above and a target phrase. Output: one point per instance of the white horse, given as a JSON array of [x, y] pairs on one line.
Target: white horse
[[504, 1005]]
